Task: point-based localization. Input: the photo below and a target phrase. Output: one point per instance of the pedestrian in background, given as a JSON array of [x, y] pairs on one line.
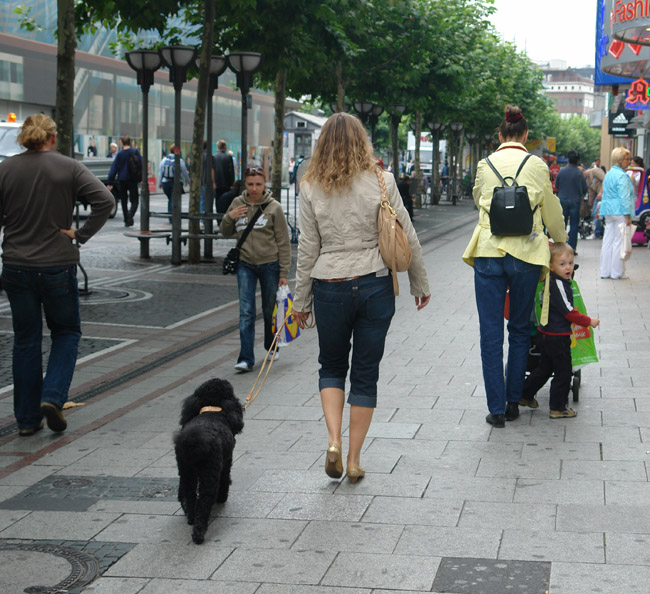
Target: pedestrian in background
[[341, 270], [38, 193], [617, 206], [571, 189], [112, 151], [223, 173], [127, 185], [166, 175], [404, 189], [516, 262], [265, 257]]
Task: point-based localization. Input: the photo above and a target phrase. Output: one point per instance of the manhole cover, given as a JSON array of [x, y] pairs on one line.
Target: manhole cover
[[82, 568], [72, 483], [159, 492], [102, 295]]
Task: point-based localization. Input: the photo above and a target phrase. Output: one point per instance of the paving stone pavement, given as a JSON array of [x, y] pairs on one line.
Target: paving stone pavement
[[449, 504]]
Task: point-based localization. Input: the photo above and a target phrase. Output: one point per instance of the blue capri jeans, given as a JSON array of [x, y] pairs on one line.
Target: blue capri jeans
[[353, 314]]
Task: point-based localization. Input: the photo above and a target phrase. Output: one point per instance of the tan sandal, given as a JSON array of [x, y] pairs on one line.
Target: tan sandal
[[355, 472], [334, 461]]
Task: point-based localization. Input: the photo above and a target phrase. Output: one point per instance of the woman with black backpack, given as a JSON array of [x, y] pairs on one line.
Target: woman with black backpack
[[511, 261]]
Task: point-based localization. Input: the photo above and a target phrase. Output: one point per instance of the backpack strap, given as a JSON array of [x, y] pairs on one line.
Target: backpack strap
[[528, 156], [493, 168]]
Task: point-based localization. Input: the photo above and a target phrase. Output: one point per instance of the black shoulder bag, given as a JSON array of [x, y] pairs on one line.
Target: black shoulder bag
[[510, 211], [231, 261]]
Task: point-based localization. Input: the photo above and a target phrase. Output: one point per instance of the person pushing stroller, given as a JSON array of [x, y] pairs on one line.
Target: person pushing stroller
[[556, 336]]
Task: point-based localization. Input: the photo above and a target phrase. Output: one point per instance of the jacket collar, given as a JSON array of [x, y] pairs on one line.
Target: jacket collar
[[266, 197], [514, 145]]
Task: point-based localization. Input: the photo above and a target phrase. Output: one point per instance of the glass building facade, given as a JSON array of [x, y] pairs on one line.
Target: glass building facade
[[107, 99]]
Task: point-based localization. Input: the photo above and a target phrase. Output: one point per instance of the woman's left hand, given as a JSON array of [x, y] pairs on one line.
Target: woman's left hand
[[421, 302], [301, 318], [69, 232], [283, 281]]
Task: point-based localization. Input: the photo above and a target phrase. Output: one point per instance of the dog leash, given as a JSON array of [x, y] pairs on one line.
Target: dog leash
[[268, 360]]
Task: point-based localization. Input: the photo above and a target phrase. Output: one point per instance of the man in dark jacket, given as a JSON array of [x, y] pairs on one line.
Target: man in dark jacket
[[571, 188], [127, 186], [223, 174]]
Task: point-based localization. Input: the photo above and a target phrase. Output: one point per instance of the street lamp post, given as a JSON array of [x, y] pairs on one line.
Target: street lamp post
[[244, 65], [375, 112], [218, 65], [456, 129], [436, 128], [488, 142], [177, 58], [396, 111], [334, 107], [145, 63], [363, 109]]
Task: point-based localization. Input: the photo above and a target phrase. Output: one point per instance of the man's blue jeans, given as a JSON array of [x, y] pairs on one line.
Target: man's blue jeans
[[353, 313], [55, 290], [247, 277], [571, 212], [492, 276]]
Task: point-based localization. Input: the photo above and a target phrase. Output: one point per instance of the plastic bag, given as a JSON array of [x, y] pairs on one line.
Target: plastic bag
[[626, 244], [284, 307]]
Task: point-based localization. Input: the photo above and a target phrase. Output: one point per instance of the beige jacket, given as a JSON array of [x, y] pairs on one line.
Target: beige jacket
[[338, 236], [535, 176]]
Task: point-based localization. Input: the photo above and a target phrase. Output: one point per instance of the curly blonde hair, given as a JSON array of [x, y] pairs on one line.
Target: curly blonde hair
[[36, 131], [343, 151]]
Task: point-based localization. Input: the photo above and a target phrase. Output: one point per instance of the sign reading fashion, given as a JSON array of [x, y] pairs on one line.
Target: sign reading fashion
[[621, 47], [629, 20]]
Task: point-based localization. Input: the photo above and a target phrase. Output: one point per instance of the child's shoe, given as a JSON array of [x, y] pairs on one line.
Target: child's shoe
[[567, 413], [529, 403]]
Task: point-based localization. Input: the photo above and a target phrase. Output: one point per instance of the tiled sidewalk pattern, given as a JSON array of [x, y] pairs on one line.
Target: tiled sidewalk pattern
[[448, 505]]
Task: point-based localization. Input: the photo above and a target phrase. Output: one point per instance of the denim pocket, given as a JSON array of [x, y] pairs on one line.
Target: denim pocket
[[522, 267], [484, 266], [14, 278]]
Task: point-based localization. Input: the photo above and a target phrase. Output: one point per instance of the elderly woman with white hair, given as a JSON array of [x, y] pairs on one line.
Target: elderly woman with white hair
[[617, 206]]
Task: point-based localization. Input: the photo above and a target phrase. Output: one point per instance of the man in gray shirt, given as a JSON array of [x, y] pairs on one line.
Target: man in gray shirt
[[38, 192]]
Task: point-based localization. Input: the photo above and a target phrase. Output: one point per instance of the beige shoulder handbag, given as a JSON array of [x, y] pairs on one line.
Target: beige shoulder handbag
[[393, 243]]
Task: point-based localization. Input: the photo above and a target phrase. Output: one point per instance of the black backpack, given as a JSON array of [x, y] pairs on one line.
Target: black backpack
[[510, 211], [134, 166]]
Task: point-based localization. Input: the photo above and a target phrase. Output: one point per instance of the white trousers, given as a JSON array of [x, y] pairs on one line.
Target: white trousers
[[611, 264]]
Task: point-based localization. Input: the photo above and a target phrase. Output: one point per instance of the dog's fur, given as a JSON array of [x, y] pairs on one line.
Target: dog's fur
[[204, 448]]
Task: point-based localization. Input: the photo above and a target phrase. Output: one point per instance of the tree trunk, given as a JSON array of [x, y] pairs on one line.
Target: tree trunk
[[340, 87], [66, 44], [418, 175], [394, 142], [278, 138], [196, 165]]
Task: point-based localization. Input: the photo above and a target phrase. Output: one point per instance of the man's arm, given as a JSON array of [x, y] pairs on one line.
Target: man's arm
[[90, 190]]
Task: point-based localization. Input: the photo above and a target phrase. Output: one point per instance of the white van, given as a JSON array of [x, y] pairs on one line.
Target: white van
[[9, 140]]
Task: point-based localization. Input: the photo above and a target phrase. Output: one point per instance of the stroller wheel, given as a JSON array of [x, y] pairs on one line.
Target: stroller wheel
[[575, 385]]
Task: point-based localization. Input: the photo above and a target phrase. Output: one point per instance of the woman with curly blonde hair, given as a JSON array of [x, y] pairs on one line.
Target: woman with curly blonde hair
[[342, 272]]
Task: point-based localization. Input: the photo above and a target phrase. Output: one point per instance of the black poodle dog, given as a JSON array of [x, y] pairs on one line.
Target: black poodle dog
[[210, 419]]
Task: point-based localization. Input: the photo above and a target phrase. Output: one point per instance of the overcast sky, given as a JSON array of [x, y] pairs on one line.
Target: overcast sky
[[551, 29]]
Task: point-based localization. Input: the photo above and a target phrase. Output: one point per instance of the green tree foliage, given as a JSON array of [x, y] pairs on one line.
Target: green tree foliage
[[574, 134]]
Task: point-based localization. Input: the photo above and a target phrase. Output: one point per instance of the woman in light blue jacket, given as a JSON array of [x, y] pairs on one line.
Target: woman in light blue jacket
[[617, 206]]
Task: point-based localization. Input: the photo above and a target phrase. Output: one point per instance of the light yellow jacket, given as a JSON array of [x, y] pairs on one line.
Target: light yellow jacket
[[338, 235], [535, 176]]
